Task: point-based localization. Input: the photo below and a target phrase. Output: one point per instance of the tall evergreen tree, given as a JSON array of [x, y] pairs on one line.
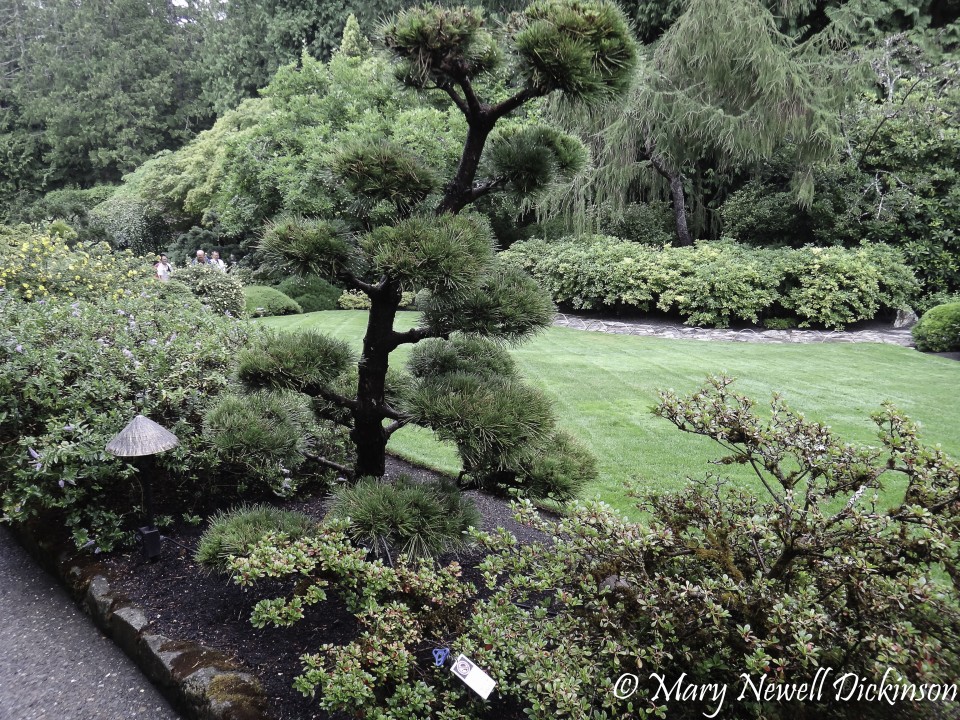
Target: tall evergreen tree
[[724, 88], [91, 89], [411, 233]]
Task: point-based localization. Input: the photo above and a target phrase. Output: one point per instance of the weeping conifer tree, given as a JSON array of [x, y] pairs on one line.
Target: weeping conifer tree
[[410, 231], [725, 87]]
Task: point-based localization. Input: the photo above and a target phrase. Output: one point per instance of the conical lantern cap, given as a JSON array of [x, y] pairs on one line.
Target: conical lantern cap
[[142, 436]]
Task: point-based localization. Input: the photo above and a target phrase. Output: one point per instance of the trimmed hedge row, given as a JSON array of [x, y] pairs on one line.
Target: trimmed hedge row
[[714, 283]]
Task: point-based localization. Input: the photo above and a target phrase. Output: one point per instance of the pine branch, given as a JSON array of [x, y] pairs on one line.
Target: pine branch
[[359, 284], [389, 412], [329, 396], [394, 426], [457, 100], [414, 335], [511, 104], [473, 102], [342, 469], [487, 186]]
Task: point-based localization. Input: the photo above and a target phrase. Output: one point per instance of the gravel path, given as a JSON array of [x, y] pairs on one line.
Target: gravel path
[[54, 663], [875, 332]]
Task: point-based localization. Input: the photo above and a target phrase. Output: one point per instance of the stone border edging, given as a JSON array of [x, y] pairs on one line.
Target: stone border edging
[[673, 331], [203, 683]]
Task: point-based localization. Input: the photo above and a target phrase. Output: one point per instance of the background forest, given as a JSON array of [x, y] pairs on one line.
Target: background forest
[[777, 124]]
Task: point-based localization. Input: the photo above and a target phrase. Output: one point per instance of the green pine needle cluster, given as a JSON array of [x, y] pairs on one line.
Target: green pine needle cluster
[[418, 520], [436, 45], [443, 254], [583, 48], [301, 361], [506, 305], [460, 354], [384, 172], [528, 158], [232, 533], [307, 246]]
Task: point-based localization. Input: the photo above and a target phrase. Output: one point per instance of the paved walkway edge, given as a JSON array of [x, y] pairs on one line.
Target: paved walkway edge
[[202, 683]]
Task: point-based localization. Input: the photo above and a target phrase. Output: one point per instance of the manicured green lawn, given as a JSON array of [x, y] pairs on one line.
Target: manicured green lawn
[[604, 386]]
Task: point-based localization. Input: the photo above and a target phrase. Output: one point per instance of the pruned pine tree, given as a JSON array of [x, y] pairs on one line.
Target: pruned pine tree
[[724, 88], [409, 231]]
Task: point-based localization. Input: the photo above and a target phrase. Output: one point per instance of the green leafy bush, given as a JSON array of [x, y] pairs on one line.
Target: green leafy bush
[[262, 301], [220, 291], [312, 293], [132, 223], [714, 283], [75, 370], [234, 532], [353, 300], [42, 266], [939, 329], [818, 572], [417, 520], [356, 300]]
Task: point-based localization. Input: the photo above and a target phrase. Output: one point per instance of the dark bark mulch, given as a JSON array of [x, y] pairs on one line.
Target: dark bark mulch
[[184, 601]]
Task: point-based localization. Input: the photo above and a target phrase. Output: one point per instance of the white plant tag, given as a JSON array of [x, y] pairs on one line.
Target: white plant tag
[[475, 678]]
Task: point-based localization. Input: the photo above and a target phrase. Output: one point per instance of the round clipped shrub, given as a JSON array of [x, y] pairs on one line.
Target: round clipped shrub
[[262, 301], [312, 293], [939, 329], [221, 292], [234, 531], [405, 517]]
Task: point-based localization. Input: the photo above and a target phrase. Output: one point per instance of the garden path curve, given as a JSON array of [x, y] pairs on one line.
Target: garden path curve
[[55, 663], [658, 328]]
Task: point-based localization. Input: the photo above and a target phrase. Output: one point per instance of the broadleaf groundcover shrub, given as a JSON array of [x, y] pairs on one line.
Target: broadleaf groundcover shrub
[[822, 571]]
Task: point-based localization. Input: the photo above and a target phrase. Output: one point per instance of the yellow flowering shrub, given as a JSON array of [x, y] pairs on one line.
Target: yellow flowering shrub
[[41, 265]]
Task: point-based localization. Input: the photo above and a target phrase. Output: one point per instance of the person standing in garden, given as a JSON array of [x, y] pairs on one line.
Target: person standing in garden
[[200, 259], [217, 262], [163, 268]]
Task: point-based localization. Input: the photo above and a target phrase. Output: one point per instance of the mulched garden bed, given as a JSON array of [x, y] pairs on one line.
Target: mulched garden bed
[[184, 601]]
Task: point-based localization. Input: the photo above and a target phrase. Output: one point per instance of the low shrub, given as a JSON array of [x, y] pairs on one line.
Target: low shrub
[[714, 283], [223, 293], [262, 301], [939, 329], [312, 293], [234, 532], [75, 370], [416, 520], [716, 586]]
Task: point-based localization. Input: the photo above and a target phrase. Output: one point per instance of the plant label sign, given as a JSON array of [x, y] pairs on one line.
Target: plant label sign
[[475, 678]]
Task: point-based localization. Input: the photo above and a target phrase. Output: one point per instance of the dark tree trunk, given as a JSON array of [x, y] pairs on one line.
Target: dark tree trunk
[[675, 178], [459, 192], [368, 434], [684, 238]]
